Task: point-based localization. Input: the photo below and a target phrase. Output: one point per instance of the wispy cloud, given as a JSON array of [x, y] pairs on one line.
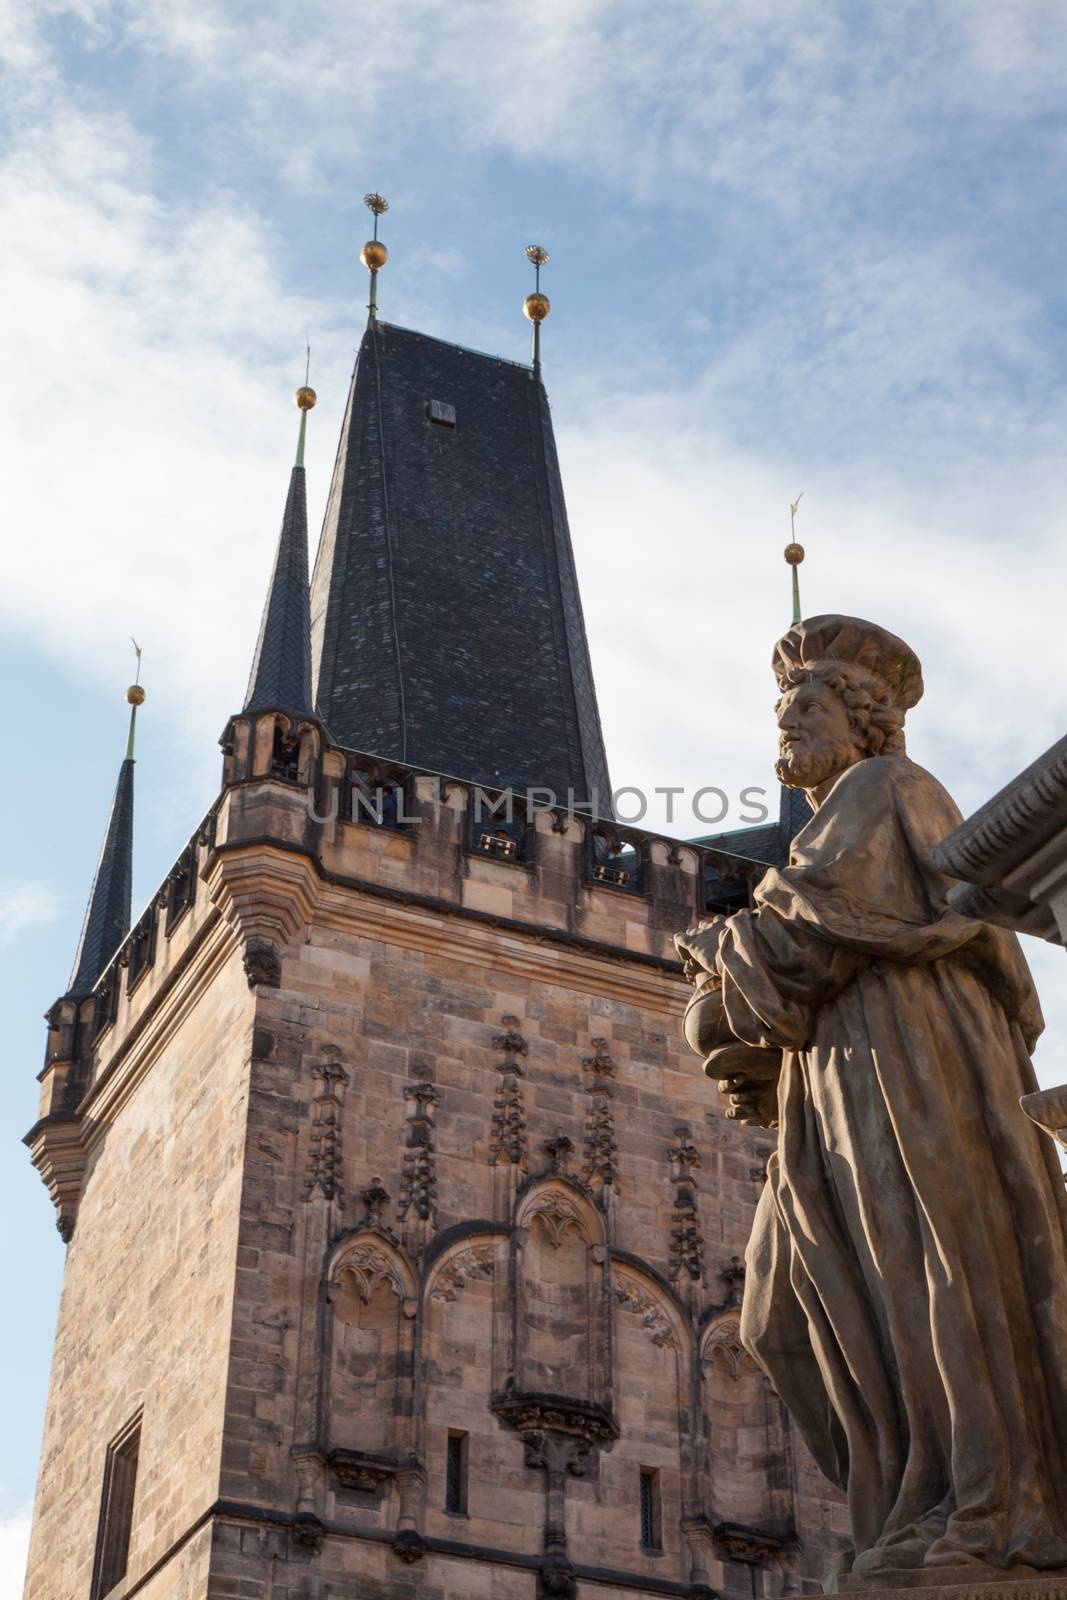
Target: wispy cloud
[[14, 1547], [909, 384], [26, 904], [141, 324], [788, 100]]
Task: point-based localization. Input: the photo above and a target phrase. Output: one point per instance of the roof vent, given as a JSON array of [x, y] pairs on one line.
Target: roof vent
[[442, 413]]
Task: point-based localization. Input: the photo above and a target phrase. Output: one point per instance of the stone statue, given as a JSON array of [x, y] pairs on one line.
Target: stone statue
[[906, 1289]]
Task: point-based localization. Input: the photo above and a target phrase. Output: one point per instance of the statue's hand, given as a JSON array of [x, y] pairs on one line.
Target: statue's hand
[[752, 1098], [698, 946]]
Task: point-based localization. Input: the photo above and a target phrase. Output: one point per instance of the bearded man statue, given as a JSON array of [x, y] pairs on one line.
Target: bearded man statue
[[906, 1285]]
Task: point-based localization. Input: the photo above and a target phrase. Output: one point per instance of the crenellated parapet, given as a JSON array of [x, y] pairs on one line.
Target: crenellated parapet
[[304, 831], [90, 1034], [384, 828]]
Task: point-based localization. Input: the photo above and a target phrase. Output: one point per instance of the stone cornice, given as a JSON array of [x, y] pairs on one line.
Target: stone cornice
[[60, 1145], [991, 903], [1012, 825], [241, 1513], [139, 1050], [422, 922], [438, 905]]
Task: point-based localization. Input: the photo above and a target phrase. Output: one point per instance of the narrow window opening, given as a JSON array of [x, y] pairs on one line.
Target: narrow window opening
[[116, 1510], [285, 761], [456, 1474], [651, 1521]]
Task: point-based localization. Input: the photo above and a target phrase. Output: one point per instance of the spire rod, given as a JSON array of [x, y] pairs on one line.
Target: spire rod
[[794, 555], [536, 306], [304, 398], [374, 255], [134, 698]]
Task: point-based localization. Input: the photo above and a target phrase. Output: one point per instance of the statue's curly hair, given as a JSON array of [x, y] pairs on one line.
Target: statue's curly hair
[[871, 713]]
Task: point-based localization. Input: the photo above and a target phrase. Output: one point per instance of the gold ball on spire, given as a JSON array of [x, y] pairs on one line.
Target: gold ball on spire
[[304, 398], [536, 307], [135, 695], [374, 255], [794, 554]]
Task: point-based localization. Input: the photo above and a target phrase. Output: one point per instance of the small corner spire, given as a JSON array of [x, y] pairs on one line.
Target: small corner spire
[[280, 679], [536, 306], [107, 915], [374, 255], [794, 555]]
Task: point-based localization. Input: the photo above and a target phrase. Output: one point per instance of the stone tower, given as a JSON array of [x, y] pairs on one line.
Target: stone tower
[[403, 1233]]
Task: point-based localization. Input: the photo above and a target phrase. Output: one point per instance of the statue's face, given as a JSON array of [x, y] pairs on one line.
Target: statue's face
[[815, 738]]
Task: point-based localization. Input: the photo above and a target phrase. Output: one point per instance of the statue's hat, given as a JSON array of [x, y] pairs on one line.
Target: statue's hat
[[853, 642]]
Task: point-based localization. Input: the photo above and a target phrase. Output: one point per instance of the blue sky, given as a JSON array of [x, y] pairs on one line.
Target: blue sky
[[796, 246]]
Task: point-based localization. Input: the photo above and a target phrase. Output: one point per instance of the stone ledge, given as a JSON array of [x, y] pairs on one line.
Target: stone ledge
[[950, 1584]]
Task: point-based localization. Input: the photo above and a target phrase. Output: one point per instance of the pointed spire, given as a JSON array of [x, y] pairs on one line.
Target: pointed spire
[[430, 547], [280, 679], [536, 306], [794, 555], [107, 916], [374, 255]]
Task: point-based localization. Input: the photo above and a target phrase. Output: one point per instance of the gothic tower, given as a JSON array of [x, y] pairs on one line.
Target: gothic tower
[[403, 1234]]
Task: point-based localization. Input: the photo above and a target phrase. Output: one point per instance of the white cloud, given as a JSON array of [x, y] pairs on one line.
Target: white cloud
[[785, 101], [14, 1547], [25, 904], [679, 537], [156, 338], [153, 347], [1047, 962], [904, 385]]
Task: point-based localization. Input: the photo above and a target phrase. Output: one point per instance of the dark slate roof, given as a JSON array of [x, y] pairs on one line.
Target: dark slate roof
[[766, 841], [447, 628], [107, 916], [281, 668]]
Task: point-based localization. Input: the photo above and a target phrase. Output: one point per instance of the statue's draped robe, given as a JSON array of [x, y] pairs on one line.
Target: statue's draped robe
[[907, 1274]]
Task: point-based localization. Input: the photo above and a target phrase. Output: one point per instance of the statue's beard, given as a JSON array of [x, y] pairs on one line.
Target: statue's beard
[[805, 766]]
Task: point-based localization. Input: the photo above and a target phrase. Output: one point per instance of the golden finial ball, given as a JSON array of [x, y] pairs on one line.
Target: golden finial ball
[[536, 307], [304, 398], [135, 695], [374, 255], [794, 554]]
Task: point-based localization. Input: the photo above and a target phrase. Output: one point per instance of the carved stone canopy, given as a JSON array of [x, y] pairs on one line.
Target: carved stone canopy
[[632, 1294], [531, 1413], [560, 1217], [355, 1469], [723, 1349], [367, 1267], [736, 1542]]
